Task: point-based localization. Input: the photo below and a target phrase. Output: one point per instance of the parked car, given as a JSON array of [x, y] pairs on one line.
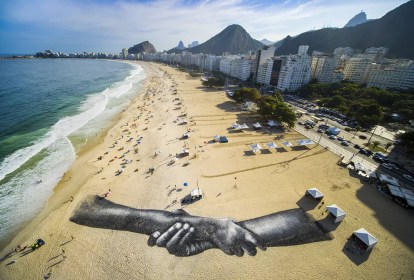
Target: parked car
[[386, 166], [362, 137], [344, 143], [340, 139], [320, 130], [368, 152], [356, 146], [408, 177], [333, 137]]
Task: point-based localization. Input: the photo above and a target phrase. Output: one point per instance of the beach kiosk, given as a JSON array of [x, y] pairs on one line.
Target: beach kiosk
[[255, 147], [271, 145], [185, 152], [196, 194], [304, 142], [315, 193], [365, 240], [272, 123], [257, 126], [336, 212]]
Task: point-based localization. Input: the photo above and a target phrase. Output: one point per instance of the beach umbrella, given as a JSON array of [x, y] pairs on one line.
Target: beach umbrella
[[185, 184], [287, 144]]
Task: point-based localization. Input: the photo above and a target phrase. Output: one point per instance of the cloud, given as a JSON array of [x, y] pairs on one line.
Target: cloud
[[111, 25]]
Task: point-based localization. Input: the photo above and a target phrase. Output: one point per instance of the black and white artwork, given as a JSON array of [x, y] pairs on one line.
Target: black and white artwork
[[183, 234]]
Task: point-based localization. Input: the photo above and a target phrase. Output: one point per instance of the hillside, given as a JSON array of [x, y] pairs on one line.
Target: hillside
[[142, 47], [393, 31], [233, 39]]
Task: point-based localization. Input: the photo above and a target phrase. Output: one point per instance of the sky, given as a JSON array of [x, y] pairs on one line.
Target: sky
[[29, 26]]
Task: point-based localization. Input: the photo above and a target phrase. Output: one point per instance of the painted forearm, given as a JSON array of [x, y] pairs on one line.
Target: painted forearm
[[290, 227]]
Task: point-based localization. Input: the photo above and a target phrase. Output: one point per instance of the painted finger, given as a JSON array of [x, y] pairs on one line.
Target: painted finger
[[166, 236], [188, 233], [173, 244], [249, 248], [238, 251], [152, 240], [255, 240]]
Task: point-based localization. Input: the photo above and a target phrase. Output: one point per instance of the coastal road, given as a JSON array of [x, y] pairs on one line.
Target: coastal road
[[335, 147]]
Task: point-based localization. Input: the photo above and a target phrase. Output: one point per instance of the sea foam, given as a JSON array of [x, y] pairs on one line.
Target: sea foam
[[28, 176]]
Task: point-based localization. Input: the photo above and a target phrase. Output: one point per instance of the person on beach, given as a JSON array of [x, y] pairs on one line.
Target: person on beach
[[107, 193], [185, 235]]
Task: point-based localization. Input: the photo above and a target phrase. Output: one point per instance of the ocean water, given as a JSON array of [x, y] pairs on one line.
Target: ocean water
[[50, 108]]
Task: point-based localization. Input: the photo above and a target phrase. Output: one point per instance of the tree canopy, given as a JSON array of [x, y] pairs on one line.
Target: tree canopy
[[366, 105], [246, 94], [213, 82], [273, 107]]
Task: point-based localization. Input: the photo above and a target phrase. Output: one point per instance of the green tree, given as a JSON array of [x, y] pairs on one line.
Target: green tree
[[271, 107], [246, 94], [213, 82]]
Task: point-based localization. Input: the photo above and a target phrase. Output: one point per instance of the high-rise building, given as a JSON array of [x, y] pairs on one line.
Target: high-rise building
[[294, 71], [392, 73], [262, 56], [322, 67], [125, 53]]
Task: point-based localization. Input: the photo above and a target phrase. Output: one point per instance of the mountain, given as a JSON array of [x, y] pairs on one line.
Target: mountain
[[394, 31], [193, 44], [266, 42], [233, 39], [142, 47], [180, 46], [358, 19]]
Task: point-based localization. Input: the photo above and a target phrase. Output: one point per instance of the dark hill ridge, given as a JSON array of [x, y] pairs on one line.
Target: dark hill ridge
[[394, 31], [233, 39], [142, 47]]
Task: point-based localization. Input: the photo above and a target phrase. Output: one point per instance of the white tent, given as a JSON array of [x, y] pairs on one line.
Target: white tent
[[315, 193], [273, 123], [257, 125], [186, 135], [255, 147], [271, 145], [305, 142], [337, 212], [366, 237], [241, 127], [196, 193], [287, 144], [216, 138], [235, 125]]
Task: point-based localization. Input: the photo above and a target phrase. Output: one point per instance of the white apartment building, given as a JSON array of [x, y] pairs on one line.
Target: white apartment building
[[295, 70], [322, 67], [236, 67], [392, 74], [264, 72], [357, 68], [262, 56]]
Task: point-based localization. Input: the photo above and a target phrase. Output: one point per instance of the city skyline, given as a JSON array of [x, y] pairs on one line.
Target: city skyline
[[75, 26]]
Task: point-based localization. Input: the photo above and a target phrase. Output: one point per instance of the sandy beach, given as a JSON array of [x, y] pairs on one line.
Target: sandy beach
[[235, 183]]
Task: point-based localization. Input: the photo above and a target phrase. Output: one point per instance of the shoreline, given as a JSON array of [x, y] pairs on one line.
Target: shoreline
[[235, 184], [65, 188]]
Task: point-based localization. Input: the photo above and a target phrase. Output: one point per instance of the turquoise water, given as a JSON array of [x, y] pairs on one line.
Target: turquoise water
[[49, 108]]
